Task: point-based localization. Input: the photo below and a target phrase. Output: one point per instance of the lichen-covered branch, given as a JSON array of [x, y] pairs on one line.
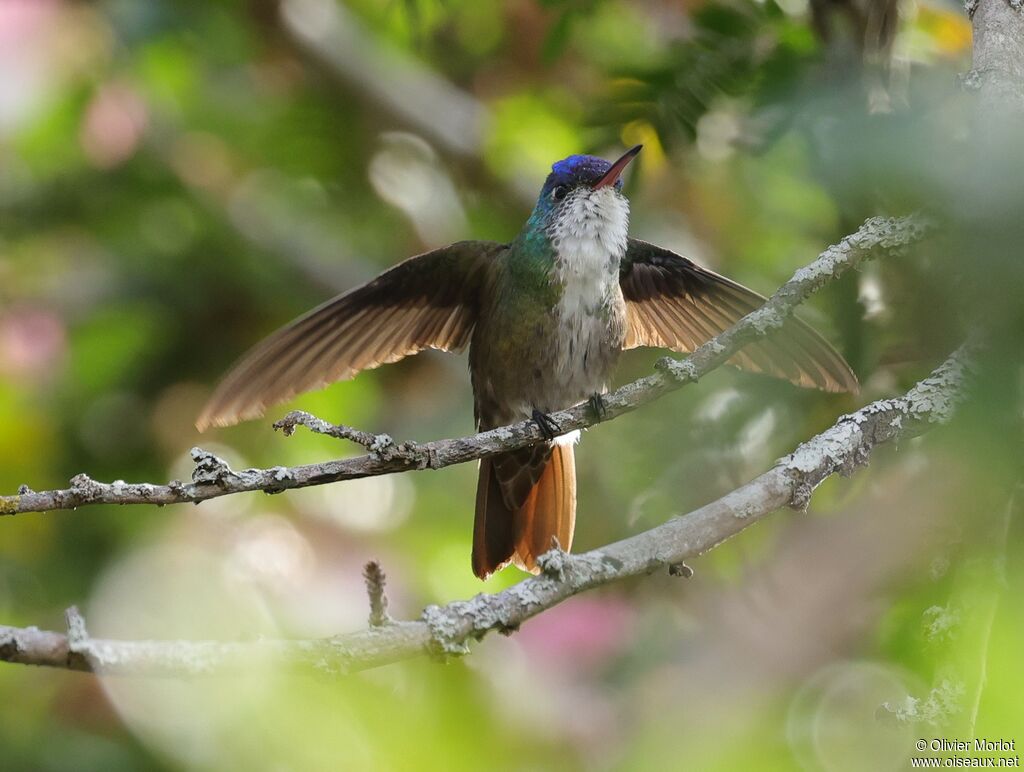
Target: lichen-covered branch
[[212, 476], [997, 69], [445, 630]]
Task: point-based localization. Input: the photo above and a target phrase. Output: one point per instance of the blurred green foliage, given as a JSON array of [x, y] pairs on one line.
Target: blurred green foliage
[[177, 179]]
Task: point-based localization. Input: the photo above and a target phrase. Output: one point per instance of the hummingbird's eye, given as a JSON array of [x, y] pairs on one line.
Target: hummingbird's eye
[[559, 192]]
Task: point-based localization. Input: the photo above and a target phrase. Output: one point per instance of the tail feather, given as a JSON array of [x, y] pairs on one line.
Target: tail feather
[[502, 534], [493, 527], [549, 512]]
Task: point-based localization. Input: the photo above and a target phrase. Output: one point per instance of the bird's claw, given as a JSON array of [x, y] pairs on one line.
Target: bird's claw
[[549, 429], [598, 406]]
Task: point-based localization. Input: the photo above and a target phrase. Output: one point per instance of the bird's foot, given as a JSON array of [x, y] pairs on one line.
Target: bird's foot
[[549, 429], [597, 405]]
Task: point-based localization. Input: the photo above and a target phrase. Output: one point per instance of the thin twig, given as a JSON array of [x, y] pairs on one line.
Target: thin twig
[[378, 444], [375, 581], [214, 478]]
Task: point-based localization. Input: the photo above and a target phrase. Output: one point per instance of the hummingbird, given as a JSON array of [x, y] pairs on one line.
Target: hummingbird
[[546, 318]]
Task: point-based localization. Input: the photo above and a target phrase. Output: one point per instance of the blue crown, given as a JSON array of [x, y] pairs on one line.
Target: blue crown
[[577, 170]]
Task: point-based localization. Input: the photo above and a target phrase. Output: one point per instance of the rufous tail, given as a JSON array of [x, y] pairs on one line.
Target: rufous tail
[[518, 522]]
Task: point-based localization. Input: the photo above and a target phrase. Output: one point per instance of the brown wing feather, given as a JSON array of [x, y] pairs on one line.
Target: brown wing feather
[[673, 303], [427, 301]]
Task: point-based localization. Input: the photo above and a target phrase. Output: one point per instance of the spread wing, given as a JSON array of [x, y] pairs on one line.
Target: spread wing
[[427, 301], [673, 303]]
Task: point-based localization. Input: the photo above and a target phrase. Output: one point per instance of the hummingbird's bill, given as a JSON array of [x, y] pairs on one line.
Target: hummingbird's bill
[[613, 174]]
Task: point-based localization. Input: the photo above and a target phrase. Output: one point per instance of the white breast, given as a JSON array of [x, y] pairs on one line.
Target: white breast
[[589, 236]]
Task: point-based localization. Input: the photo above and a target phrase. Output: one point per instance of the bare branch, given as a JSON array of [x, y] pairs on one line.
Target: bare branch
[[997, 69], [213, 477], [446, 630]]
